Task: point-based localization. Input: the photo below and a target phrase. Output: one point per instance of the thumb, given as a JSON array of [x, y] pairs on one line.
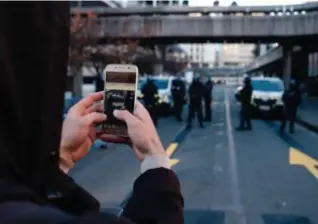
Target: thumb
[[125, 116], [94, 118]]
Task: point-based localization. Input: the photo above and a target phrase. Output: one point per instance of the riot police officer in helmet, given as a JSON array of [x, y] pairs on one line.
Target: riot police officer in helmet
[[150, 92], [208, 86], [244, 96], [291, 100], [178, 91], [195, 105]]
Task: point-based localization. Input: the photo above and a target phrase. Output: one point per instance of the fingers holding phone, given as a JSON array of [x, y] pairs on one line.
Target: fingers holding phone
[[142, 133]]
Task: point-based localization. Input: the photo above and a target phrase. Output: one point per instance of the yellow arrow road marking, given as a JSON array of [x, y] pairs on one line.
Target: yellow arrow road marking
[[170, 150], [299, 158], [173, 162]]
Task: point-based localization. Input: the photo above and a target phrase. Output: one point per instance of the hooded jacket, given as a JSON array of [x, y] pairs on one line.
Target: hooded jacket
[[34, 40]]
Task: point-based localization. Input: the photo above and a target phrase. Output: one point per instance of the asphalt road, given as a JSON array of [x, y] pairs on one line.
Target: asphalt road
[[226, 176]]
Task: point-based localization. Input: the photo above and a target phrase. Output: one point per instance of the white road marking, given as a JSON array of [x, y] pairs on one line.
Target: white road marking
[[233, 168]]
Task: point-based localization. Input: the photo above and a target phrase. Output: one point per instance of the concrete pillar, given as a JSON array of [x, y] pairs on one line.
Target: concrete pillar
[[300, 65], [287, 65], [157, 68], [163, 49]]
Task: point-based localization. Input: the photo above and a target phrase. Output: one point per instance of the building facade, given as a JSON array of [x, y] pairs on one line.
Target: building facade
[[201, 55], [236, 55], [219, 55]]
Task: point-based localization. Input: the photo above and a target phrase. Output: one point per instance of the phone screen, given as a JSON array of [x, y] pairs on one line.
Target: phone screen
[[119, 90]]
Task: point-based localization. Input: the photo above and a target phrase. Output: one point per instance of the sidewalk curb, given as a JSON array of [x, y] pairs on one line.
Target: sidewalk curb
[[179, 138], [307, 125]]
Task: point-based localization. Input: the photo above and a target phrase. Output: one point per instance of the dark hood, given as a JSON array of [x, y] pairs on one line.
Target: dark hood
[[33, 64]]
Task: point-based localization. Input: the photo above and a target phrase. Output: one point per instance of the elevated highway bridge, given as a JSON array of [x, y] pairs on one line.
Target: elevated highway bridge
[[297, 33], [168, 25]]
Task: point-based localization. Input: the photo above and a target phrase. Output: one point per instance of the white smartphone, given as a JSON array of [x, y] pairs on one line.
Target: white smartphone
[[120, 93]]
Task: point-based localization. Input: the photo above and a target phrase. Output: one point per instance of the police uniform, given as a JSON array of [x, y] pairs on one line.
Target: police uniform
[[195, 105], [244, 97], [291, 99], [150, 93], [178, 94], [208, 86]]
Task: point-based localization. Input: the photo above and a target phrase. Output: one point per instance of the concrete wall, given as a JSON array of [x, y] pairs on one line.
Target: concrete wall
[[226, 26]]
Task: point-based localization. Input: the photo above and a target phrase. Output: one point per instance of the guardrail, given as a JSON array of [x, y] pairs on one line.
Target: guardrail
[[183, 10]]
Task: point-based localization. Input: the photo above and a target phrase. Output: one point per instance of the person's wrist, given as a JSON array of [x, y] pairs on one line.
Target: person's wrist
[[65, 160], [155, 148], [154, 162]]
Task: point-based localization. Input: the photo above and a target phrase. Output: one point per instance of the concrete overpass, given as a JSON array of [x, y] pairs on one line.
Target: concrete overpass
[[183, 10], [166, 25], [234, 24], [172, 29], [290, 61]]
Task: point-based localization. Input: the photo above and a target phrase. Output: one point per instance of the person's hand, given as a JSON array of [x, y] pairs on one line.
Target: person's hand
[[79, 131], [141, 130]]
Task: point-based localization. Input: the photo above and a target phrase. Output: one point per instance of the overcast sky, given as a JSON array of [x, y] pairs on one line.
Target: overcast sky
[[247, 2]]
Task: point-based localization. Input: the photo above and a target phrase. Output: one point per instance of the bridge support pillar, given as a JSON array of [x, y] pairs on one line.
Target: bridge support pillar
[[287, 65], [300, 65], [158, 67]]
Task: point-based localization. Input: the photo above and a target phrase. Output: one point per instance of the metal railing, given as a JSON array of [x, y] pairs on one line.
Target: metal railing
[[182, 10]]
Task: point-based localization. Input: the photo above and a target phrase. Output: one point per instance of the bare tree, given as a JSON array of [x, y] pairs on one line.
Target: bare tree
[[85, 50], [83, 36]]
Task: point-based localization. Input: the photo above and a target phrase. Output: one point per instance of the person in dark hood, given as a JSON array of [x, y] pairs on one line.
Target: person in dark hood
[[195, 105], [36, 155], [291, 99], [244, 96]]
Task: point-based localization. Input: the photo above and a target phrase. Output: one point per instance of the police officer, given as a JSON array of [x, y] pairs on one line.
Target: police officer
[[195, 105], [178, 91], [208, 86], [150, 92], [244, 97], [291, 99]]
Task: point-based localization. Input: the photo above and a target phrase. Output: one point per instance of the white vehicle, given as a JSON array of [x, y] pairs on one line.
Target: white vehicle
[[163, 84], [267, 95]]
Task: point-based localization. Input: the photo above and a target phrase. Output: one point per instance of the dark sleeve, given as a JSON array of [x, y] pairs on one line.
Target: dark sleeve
[[156, 199], [27, 212], [99, 218], [75, 200]]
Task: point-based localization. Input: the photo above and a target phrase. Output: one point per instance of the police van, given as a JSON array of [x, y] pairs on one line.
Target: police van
[[267, 95], [163, 83]]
